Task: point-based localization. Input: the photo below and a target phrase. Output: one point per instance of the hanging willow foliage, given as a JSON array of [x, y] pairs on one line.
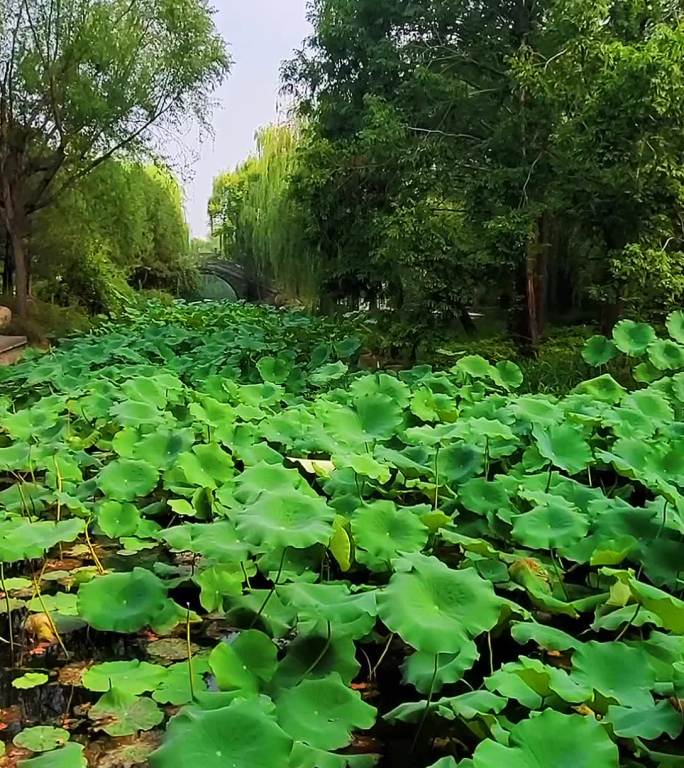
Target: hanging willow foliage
[[260, 224]]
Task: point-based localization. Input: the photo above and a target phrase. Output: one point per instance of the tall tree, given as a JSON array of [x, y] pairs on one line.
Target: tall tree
[[81, 80]]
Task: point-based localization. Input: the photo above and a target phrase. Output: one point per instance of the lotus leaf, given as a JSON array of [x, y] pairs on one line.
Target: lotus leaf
[[551, 739], [633, 338], [22, 540], [175, 688], [119, 713], [436, 609], [602, 389], [41, 738], [647, 722], [599, 350], [552, 524], [127, 479], [241, 732], [666, 355], [286, 518], [132, 677], [30, 680], [564, 446], [118, 519], [122, 602], [69, 756], [382, 531], [249, 660], [323, 713], [616, 671], [419, 668]]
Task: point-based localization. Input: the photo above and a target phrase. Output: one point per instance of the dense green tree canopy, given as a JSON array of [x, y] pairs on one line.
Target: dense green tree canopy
[[81, 80]]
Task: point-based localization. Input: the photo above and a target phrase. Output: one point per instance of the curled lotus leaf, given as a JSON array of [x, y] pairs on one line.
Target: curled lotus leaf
[[675, 325], [666, 355]]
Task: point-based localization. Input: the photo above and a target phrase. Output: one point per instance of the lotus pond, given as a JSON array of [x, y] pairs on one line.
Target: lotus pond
[[224, 545]]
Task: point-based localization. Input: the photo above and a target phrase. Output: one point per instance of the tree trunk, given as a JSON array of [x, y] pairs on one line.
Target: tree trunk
[[16, 225], [21, 273]]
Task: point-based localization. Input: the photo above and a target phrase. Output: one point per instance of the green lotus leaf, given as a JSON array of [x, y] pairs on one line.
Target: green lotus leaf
[[675, 325], [485, 497], [218, 541], [603, 389], [122, 602], [668, 608], [419, 668], [145, 390], [69, 756], [161, 448], [554, 523], [364, 464], [218, 583], [314, 656], [323, 713], [646, 373], [551, 739], [328, 373], [380, 416], [531, 682], [347, 347], [647, 722], [617, 671], [119, 713], [23, 540], [340, 544], [30, 680], [433, 407], [666, 355], [651, 403], [627, 615], [249, 660], [133, 677], [261, 478], [286, 518], [275, 370], [175, 687], [436, 609], [41, 738], [349, 613], [537, 409], [564, 446], [127, 479], [382, 531], [241, 733], [304, 756], [133, 413], [475, 366], [508, 375], [466, 706], [447, 762], [598, 351], [118, 519], [457, 463], [633, 338], [383, 384], [549, 638]]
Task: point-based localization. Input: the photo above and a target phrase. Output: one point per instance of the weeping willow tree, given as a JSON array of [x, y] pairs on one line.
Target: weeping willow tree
[[258, 221]]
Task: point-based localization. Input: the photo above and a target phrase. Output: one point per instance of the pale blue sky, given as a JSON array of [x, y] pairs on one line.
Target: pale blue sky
[[261, 33]]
